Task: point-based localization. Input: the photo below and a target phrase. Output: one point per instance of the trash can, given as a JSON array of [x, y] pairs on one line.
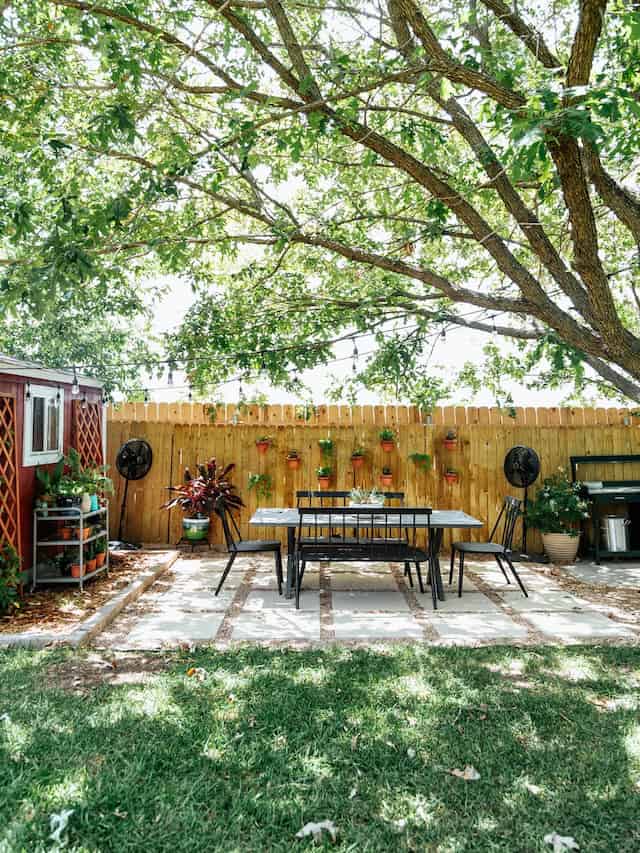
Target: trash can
[[615, 533]]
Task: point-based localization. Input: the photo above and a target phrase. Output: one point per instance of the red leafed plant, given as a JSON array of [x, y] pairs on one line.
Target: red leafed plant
[[209, 490]]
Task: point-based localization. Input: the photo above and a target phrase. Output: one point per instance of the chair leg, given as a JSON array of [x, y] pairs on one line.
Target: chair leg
[[407, 573], [460, 574], [516, 575], [434, 585], [298, 581], [302, 568], [279, 571], [227, 569], [419, 573], [502, 568], [453, 558]]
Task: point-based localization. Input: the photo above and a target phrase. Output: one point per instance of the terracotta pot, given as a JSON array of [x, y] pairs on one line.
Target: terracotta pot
[[65, 532], [90, 566], [560, 547], [387, 446], [75, 570], [294, 464], [451, 478], [80, 533], [100, 558], [262, 446], [357, 462], [323, 482], [450, 443], [386, 479]]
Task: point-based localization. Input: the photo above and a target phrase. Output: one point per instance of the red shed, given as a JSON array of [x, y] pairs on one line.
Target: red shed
[[43, 413]]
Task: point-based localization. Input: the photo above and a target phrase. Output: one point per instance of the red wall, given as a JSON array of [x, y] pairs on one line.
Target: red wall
[[13, 386]]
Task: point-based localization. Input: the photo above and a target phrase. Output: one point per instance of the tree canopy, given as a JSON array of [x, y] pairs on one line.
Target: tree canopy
[[400, 167]]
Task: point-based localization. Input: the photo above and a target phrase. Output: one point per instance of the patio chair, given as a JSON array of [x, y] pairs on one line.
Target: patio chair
[[237, 545], [327, 497], [383, 534], [499, 550]]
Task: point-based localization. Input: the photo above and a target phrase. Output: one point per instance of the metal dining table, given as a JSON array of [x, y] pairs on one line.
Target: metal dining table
[[439, 521]]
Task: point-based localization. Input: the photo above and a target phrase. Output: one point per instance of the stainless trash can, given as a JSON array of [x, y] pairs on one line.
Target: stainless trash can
[[615, 533]]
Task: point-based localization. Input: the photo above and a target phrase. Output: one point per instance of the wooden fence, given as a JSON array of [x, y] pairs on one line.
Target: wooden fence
[[484, 437]]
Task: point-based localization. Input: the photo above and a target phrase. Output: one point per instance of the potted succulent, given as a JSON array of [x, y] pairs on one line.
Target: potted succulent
[[386, 478], [357, 458], [324, 476], [100, 550], [9, 577], [387, 439], [264, 443], [326, 446], [421, 460], [366, 497], [90, 559], [451, 475], [451, 440], [556, 511], [293, 460], [48, 483], [200, 495]]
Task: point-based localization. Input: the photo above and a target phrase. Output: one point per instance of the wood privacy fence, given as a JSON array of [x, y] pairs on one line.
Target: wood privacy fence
[[181, 435]]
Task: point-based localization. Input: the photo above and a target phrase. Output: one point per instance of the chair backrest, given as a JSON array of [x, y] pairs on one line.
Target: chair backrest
[[230, 527], [510, 512], [376, 533]]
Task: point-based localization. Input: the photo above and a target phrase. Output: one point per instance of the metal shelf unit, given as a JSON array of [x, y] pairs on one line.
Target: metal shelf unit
[[42, 516]]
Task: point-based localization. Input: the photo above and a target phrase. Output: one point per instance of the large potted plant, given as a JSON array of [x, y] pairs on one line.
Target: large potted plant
[[200, 495], [556, 511]]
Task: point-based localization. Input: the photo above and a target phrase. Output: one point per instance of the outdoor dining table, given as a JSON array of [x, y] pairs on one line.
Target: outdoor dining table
[[439, 521]]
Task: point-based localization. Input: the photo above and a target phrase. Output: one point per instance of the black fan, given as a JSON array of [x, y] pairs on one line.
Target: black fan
[[133, 462], [521, 468]]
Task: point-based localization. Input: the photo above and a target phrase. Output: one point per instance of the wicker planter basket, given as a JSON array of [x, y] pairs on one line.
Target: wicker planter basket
[[560, 547]]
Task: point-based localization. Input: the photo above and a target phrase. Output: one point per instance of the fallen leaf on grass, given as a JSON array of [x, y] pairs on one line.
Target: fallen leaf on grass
[[316, 830], [560, 843], [411, 753], [197, 672], [533, 789], [469, 774], [58, 823], [399, 825]]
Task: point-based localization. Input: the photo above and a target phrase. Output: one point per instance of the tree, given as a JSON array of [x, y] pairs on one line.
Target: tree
[[393, 162]]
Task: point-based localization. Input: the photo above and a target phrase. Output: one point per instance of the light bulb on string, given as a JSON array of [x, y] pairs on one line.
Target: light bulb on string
[[170, 374], [27, 395], [75, 386], [190, 397], [354, 363], [494, 330], [83, 402], [146, 398], [58, 397], [443, 334]]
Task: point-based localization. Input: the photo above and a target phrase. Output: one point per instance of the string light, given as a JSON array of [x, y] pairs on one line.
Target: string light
[[354, 356], [146, 398], [170, 374], [494, 330], [27, 396], [83, 402], [190, 398], [58, 397], [443, 334], [75, 387]]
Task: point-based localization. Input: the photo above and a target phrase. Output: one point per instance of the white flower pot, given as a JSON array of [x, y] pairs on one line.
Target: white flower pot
[[85, 503], [560, 547]]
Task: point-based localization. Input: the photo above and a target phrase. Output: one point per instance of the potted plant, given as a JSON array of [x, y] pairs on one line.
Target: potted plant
[[451, 440], [324, 476], [421, 460], [451, 476], [556, 511], [262, 484], [75, 570], [357, 458], [48, 483], [293, 460], [386, 478], [326, 446], [9, 577], [90, 559], [100, 550], [366, 497], [387, 439], [264, 443], [200, 495]]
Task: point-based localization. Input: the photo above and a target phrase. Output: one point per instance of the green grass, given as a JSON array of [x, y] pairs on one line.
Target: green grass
[[272, 739]]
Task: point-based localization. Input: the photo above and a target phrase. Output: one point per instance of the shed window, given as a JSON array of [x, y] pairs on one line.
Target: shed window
[[43, 424]]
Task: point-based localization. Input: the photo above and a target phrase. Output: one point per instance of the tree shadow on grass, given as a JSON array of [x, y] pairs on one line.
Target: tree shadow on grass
[[269, 740]]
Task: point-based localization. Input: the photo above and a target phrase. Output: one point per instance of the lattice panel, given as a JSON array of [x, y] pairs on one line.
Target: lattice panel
[[87, 433], [9, 483]]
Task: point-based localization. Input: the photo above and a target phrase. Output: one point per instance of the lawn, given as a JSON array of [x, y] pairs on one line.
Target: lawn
[[257, 742]]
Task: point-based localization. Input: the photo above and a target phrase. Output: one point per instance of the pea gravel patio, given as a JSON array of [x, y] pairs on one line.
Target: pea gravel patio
[[355, 604]]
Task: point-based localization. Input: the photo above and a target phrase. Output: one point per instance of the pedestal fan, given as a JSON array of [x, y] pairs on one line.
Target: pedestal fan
[[133, 462], [521, 468]]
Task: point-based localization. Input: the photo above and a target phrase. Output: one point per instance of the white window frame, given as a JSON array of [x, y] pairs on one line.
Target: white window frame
[[41, 457]]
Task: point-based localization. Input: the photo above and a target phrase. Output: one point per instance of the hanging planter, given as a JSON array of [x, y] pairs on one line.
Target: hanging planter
[[323, 474], [422, 461], [386, 478], [387, 439], [451, 440], [326, 446], [357, 458], [264, 443], [451, 476], [293, 460]]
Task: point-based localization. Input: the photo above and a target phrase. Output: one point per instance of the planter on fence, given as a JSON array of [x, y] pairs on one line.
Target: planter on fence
[[451, 476], [357, 458], [293, 460], [450, 440], [387, 440], [263, 444], [324, 476]]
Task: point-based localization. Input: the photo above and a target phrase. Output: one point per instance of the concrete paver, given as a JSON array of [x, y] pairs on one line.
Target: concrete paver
[[376, 626]]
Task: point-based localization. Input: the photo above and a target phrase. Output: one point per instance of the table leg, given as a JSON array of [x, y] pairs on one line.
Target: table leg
[[291, 547], [435, 543]]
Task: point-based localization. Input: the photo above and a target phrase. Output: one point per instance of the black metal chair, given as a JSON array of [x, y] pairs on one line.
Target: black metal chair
[[381, 534], [499, 550], [237, 545]]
